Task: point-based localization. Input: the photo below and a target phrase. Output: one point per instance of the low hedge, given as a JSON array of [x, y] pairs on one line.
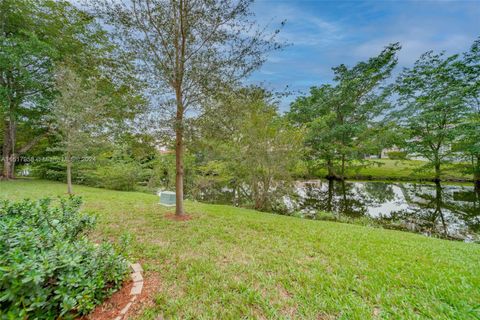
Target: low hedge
[[49, 269], [397, 155]]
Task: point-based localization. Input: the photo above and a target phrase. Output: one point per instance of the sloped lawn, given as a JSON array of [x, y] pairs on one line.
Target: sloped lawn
[[231, 263]]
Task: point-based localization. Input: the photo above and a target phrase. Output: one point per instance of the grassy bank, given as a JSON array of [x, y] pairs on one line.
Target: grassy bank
[[232, 263], [407, 170]]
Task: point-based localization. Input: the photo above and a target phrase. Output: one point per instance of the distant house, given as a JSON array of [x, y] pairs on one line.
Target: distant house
[[383, 154], [454, 156]]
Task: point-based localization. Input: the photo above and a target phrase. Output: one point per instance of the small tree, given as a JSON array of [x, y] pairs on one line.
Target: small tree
[[431, 102], [319, 136], [265, 151], [189, 49], [78, 113], [469, 130], [249, 144]]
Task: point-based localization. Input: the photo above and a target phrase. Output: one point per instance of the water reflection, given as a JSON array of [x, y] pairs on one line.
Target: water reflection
[[432, 209], [447, 211]]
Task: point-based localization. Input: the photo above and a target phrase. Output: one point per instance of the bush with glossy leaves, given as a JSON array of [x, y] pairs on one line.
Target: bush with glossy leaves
[[49, 268]]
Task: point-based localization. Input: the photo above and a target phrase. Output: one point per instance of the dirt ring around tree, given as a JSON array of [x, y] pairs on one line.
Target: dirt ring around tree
[[174, 217]]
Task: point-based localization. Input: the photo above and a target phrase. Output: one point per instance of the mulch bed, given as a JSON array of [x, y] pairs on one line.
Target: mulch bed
[[151, 285], [111, 307], [173, 216]]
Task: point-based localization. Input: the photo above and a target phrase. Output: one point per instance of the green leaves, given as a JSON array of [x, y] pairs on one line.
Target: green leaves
[[438, 100], [49, 268], [243, 144], [340, 118]]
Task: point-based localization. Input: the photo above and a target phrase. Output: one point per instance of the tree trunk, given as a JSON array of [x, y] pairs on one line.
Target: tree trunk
[[256, 195], [7, 167], [331, 171], [343, 207], [179, 152], [438, 208], [69, 173], [330, 195], [437, 172], [180, 45], [8, 151], [13, 158], [476, 173], [265, 195]]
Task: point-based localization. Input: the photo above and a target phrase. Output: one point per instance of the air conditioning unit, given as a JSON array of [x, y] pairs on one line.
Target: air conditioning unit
[[167, 198]]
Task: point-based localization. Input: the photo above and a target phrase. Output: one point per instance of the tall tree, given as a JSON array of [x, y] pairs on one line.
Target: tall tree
[[189, 49], [340, 116], [79, 113], [431, 107], [34, 36]]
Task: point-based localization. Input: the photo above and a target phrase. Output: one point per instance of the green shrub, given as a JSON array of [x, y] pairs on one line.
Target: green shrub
[[49, 269], [397, 155], [50, 170], [57, 171], [119, 175]]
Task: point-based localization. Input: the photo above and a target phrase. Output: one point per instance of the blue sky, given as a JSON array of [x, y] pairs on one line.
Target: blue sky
[[324, 34]]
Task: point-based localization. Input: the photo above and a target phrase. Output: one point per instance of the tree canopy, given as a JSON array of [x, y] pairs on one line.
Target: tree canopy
[[189, 50], [340, 116]]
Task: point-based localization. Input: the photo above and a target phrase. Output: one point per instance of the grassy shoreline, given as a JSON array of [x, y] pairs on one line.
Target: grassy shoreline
[[231, 263], [402, 170]]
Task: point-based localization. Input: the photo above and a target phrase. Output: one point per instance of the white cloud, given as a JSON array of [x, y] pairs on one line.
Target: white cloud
[[302, 28]]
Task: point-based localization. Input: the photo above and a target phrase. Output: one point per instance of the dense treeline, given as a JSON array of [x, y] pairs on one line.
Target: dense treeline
[[113, 110], [430, 111], [37, 38]]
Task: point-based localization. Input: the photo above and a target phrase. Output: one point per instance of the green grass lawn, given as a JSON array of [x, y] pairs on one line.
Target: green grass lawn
[[232, 263], [386, 169]]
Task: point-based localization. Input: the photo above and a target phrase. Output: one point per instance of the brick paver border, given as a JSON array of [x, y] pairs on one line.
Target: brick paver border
[[136, 289]]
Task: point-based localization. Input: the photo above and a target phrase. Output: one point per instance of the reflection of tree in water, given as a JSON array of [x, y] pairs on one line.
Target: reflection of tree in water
[[436, 211], [447, 211], [349, 199], [465, 205], [425, 212], [351, 202], [380, 192]]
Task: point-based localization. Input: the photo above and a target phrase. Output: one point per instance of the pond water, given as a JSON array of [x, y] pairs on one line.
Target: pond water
[[448, 211]]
